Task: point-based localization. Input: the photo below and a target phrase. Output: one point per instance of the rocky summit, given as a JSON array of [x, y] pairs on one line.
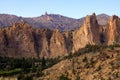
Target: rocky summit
[[23, 40]]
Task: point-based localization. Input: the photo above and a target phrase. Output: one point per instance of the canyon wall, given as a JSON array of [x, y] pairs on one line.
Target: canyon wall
[[22, 40]]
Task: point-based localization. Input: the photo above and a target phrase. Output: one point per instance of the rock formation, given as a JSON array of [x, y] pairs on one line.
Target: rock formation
[[57, 44], [87, 34], [22, 40], [113, 30]]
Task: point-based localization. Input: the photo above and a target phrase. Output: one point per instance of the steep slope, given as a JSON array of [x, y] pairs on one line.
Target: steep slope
[[17, 41], [88, 33], [21, 40], [104, 65], [113, 30]]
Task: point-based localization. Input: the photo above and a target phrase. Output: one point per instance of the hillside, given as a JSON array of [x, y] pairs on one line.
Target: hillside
[[50, 21], [103, 19], [103, 65], [99, 62]]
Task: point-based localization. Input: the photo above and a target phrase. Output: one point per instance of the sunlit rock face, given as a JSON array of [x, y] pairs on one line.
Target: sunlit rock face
[[57, 44], [87, 34], [22, 40], [17, 41], [113, 30]]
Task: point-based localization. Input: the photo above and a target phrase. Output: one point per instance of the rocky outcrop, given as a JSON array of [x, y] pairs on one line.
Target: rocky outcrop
[[113, 30], [17, 41], [22, 40], [87, 34], [57, 44]]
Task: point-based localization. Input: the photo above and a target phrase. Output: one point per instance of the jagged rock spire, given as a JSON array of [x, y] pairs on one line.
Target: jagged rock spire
[[113, 30]]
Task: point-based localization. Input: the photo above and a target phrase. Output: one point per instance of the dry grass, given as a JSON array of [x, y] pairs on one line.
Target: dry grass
[[104, 65]]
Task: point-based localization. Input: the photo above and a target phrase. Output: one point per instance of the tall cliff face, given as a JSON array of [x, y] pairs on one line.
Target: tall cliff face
[[113, 30], [57, 44], [87, 34], [21, 40], [91, 29], [17, 41], [42, 41]]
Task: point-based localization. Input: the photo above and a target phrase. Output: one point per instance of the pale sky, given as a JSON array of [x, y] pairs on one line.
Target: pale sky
[[70, 8]]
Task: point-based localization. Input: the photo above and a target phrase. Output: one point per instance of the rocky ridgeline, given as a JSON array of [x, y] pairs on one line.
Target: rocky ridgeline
[[22, 40]]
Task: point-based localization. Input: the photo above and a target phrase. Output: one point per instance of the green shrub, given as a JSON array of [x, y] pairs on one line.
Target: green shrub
[[62, 77], [24, 77], [77, 78], [99, 68], [10, 72], [85, 59]]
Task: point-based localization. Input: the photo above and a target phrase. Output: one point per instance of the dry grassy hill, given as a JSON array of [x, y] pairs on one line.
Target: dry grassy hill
[[103, 65], [94, 62]]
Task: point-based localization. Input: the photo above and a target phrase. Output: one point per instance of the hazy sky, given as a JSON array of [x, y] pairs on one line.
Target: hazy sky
[[70, 8]]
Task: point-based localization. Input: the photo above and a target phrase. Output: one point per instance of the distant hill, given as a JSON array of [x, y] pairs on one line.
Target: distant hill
[[103, 19], [57, 21], [50, 21], [7, 19]]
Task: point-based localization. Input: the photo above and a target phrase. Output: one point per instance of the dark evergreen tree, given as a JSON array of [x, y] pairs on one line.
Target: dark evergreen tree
[[43, 65]]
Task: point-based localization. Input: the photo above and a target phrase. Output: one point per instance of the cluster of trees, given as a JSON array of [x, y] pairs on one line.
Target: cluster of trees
[[91, 48], [63, 77], [7, 63], [11, 66], [96, 48]]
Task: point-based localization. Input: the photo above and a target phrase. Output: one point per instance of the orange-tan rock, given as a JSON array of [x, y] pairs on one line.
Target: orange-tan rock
[[22, 40]]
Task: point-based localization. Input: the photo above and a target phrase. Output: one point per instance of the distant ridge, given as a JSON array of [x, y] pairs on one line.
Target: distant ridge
[[50, 21], [103, 19]]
